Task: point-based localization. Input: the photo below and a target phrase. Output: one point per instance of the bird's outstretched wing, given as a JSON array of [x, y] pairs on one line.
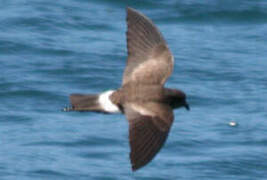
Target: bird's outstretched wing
[[148, 130], [149, 58]]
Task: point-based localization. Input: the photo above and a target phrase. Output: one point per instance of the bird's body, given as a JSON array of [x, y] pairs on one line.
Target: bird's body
[[138, 93], [144, 100]]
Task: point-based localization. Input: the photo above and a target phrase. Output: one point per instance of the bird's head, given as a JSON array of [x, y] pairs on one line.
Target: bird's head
[[177, 99]]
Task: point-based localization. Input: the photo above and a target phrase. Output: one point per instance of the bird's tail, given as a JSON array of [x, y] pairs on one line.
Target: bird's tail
[[81, 102], [93, 102]]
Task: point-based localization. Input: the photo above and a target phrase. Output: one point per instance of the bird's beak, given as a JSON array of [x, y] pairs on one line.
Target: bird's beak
[[187, 107]]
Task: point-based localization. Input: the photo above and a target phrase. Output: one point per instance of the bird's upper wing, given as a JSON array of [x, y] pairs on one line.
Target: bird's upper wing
[[149, 125], [149, 58]]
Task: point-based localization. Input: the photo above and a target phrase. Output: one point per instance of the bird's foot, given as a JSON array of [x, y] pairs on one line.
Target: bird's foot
[[67, 109]]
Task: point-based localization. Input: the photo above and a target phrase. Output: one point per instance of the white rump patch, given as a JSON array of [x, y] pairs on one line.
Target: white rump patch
[[106, 103]]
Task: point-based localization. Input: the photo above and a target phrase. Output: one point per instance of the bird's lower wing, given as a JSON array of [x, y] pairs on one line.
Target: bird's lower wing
[[148, 130]]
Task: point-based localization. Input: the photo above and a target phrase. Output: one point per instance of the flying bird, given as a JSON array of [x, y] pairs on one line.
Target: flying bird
[[142, 97]]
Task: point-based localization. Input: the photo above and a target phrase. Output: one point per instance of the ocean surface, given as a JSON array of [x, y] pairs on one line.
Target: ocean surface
[[50, 49]]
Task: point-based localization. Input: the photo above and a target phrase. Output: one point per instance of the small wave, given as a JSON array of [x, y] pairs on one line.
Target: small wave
[[96, 141], [47, 172], [28, 93], [215, 12]]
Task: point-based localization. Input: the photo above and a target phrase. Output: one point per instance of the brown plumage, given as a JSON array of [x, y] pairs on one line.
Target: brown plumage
[[147, 104], [149, 59]]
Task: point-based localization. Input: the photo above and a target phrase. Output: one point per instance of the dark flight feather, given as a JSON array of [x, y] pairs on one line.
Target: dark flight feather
[[145, 134], [149, 59]]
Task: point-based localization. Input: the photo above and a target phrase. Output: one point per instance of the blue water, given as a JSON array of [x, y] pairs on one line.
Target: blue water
[[49, 49]]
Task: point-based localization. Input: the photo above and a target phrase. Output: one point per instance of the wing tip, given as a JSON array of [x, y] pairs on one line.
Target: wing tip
[[135, 167], [133, 13], [129, 9]]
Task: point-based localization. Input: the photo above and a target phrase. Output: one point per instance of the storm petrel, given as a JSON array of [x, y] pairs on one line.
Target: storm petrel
[[142, 97]]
